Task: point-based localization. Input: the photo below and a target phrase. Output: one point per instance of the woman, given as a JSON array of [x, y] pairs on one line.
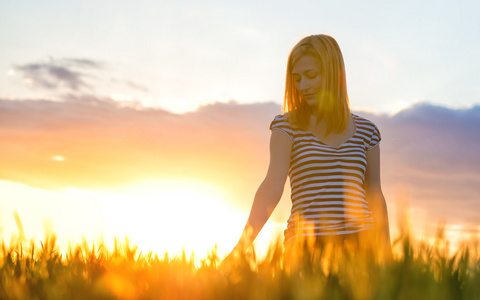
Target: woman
[[331, 156]]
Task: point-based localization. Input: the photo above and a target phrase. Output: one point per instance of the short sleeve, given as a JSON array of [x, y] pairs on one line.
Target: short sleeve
[[375, 137], [280, 122]]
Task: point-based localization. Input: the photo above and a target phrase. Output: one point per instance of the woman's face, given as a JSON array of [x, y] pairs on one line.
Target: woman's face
[[307, 78]]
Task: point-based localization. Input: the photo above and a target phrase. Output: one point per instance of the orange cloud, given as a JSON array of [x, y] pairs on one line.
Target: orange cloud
[[94, 143], [97, 144]]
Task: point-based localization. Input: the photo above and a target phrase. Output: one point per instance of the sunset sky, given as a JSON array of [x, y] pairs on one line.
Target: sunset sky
[[150, 119]]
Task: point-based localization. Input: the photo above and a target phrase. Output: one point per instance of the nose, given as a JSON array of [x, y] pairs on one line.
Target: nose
[[304, 84]]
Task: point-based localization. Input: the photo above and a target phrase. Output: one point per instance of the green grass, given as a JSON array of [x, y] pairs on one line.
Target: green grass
[[419, 271]]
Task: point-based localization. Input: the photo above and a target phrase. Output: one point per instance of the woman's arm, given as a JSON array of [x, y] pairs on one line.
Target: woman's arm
[[377, 202], [270, 191]]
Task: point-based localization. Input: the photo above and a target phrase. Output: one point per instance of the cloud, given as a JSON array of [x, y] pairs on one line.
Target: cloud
[[82, 62], [78, 78], [106, 145], [57, 73], [131, 84], [429, 152]]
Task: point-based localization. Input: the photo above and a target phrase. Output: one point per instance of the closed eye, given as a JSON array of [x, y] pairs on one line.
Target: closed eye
[[312, 74]]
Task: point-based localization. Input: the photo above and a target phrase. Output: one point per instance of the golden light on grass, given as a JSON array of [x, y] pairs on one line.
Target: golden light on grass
[[162, 215], [174, 214], [171, 215]]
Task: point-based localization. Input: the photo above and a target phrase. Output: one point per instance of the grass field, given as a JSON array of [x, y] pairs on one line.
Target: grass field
[[419, 271]]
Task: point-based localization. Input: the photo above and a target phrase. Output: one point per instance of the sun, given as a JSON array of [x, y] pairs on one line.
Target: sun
[[164, 215], [173, 215]]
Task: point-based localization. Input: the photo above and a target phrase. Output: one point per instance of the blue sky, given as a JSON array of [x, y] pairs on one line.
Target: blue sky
[[180, 54], [92, 64]]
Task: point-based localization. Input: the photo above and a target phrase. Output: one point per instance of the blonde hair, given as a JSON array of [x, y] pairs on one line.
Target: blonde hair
[[333, 106]]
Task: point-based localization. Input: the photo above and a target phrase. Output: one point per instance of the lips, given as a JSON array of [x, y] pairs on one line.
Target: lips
[[309, 96]]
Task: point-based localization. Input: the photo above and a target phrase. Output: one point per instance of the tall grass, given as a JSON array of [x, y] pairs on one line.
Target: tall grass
[[418, 271]]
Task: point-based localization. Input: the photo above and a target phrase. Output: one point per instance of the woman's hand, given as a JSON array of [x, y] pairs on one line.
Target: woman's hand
[[270, 191]]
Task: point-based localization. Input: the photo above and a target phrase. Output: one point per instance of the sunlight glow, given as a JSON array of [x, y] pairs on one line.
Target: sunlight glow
[[58, 158], [159, 216], [164, 215], [169, 215]]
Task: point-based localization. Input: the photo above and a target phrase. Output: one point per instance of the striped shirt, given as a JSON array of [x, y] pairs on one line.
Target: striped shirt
[[327, 183]]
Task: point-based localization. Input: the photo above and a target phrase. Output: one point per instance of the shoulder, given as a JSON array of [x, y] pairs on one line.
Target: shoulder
[[368, 130], [282, 117], [282, 123], [280, 120], [365, 124]]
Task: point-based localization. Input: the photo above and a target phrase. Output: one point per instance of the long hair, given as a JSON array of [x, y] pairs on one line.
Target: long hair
[[333, 104]]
